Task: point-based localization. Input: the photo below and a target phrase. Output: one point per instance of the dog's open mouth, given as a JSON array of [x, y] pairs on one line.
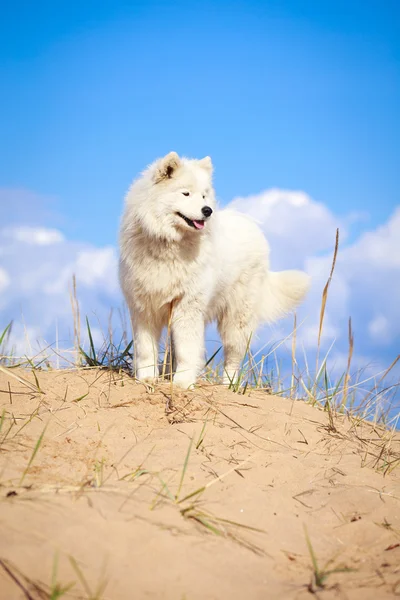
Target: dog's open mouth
[[195, 223]]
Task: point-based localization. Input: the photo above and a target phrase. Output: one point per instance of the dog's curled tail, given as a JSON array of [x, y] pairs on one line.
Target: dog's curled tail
[[283, 291]]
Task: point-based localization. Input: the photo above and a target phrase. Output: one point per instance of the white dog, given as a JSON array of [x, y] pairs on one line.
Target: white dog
[[182, 256]]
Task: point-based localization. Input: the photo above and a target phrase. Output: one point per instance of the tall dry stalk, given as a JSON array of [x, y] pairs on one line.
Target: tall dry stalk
[[168, 347], [260, 372], [293, 353], [350, 356], [323, 303], [77, 322]]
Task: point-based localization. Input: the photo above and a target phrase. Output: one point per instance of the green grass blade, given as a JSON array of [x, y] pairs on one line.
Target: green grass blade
[[212, 357], [164, 486], [92, 349], [201, 436], [192, 494], [317, 574], [35, 451], [81, 577], [185, 464], [80, 397], [236, 524], [54, 571], [60, 591], [203, 521], [3, 335], [90, 361], [125, 352]]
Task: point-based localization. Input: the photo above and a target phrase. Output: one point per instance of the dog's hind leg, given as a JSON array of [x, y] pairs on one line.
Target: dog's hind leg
[[235, 332], [236, 323]]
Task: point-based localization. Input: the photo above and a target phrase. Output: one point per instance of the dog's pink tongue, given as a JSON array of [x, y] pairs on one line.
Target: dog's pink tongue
[[199, 224]]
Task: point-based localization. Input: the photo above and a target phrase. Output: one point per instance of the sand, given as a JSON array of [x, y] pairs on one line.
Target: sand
[[105, 499]]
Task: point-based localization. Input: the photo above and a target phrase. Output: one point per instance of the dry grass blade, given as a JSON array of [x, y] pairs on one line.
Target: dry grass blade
[[325, 292], [168, 347], [22, 380], [350, 356], [77, 321], [16, 580], [293, 352], [34, 367]]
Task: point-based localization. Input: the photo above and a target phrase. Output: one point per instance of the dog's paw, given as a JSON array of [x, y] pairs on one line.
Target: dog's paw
[[185, 379], [230, 377], [147, 374]]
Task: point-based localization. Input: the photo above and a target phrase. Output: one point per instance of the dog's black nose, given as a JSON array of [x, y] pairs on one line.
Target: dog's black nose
[[207, 211]]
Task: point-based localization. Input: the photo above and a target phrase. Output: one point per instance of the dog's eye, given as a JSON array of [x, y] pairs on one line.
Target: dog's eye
[[186, 193], [204, 196]]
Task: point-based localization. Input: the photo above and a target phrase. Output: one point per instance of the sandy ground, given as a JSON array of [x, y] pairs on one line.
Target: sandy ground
[[102, 502]]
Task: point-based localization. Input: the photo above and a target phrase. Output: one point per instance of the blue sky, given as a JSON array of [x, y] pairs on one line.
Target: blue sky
[[298, 94], [297, 97]]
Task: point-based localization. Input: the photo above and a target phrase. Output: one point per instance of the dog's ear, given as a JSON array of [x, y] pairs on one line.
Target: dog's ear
[[166, 167], [206, 163]]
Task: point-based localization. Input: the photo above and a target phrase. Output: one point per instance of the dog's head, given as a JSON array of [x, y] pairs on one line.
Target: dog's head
[[175, 197]]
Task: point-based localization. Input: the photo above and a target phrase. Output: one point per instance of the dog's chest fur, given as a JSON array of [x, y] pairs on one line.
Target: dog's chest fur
[[164, 271]]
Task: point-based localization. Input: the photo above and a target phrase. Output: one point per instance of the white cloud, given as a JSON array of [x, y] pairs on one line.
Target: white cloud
[[36, 283], [4, 279], [4, 284], [378, 250], [93, 266], [36, 236], [379, 329], [296, 225]]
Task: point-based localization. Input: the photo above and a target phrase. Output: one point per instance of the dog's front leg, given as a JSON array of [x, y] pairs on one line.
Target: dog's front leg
[[147, 332], [188, 336]]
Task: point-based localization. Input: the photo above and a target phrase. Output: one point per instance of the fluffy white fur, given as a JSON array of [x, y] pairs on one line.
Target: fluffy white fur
[[214, 268]]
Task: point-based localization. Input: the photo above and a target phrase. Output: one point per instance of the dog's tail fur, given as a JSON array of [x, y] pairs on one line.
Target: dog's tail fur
[[283, 291]]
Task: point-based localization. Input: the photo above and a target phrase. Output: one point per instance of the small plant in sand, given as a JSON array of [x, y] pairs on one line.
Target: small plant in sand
[[90, 594], [320, 576], [58, 590], [191, 507], [98, 470]]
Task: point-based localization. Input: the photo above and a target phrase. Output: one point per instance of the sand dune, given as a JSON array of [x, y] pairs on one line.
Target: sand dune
[[129, 494]]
